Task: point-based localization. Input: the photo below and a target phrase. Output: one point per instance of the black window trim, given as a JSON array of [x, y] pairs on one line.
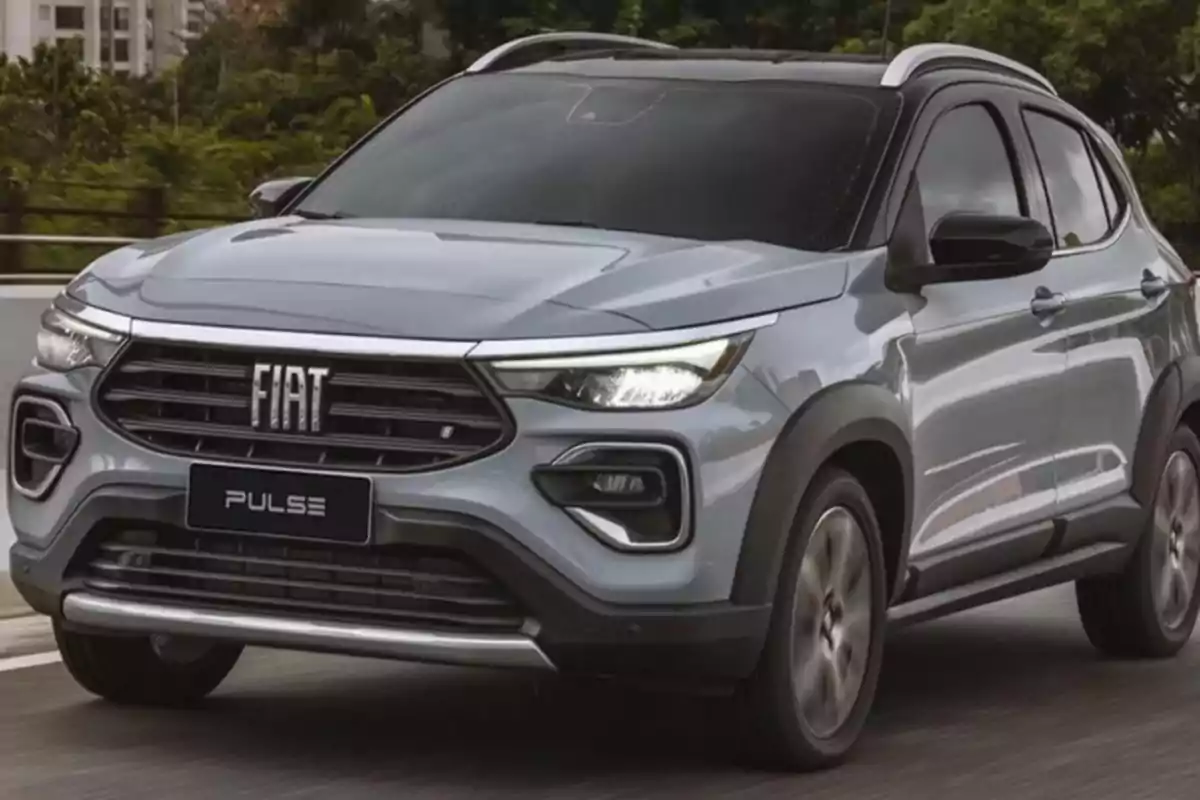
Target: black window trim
[[1115, 230], [1024, 205]]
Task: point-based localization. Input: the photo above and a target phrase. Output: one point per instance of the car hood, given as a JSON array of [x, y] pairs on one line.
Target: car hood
[[450, 280]]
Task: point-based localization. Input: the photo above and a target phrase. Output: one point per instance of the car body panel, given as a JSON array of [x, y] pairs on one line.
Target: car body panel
[[1019, 432], [450, 280]]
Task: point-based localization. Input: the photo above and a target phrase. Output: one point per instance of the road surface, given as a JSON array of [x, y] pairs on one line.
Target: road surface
[[1007, 702]]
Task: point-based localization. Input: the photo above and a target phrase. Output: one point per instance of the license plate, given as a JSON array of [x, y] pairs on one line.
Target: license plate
[[278, 503]]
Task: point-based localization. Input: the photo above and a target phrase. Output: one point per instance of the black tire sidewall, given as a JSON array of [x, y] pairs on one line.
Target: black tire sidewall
[[831, 488]]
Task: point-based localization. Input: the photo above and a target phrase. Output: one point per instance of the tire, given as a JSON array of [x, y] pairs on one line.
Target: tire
[[815, 615], [1149, 610], [134, 671]]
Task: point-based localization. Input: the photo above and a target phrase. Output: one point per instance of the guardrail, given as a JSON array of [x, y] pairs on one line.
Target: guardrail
[[54, 278]]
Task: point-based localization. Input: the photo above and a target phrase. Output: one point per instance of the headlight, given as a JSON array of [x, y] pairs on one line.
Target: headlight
[[65, 343], [645, 379]]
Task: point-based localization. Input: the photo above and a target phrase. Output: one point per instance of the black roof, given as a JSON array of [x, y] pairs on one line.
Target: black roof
[[716, 65]]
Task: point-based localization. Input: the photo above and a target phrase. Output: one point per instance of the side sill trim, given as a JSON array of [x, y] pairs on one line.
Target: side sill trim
[[138, 617]]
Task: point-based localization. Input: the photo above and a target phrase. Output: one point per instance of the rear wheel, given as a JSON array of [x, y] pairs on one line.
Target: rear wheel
[[149, 670], [810, 697], [1150, 609]]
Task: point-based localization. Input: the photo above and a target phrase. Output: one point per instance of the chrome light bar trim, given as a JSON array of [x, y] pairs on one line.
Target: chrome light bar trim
[[349, 344], [616, 535], [138, 617], [38, 492], [117, 323], [493, 57], [910, 60], [618, 343], [267, 339]]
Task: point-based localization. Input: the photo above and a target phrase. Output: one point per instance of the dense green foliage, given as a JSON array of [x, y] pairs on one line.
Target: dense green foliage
[[256, 101]]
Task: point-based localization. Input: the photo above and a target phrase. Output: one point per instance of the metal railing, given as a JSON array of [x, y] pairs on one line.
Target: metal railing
[[53, 278]]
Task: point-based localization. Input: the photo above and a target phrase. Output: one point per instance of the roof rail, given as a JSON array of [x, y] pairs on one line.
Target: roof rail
[[925, 57], [567, 40]]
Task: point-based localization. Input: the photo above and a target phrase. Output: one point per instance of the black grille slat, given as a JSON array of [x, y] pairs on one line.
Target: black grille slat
[[378, 414], [200, 369], [325, 566], [213, 430], [400, 586], [403, 414], [250, 579], [176, 397]]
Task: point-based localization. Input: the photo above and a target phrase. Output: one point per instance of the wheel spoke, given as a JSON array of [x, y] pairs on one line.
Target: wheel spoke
[[831, 638], [807, 673], [1181, 482]]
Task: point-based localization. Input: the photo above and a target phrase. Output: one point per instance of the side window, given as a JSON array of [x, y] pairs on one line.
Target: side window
[[1072, 186], [966, 166], [1110, 187]]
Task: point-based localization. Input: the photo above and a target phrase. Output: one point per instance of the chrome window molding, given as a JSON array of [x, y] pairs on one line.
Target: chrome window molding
[[612, 533], [491, 58], [349, 344], [905, 65], [1103, 244], [43, 488]]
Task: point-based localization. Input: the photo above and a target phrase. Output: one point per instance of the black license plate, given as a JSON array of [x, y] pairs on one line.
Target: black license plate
[[278, 503]]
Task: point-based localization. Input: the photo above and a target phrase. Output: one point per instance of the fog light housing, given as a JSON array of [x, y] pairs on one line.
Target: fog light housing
[[632, 497], [42, 442]]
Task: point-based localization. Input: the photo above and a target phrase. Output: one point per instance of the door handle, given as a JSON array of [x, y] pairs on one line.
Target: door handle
[[1153, 285], [1045, 302]]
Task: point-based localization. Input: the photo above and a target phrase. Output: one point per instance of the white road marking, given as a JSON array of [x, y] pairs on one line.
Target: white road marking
[[29, 662]]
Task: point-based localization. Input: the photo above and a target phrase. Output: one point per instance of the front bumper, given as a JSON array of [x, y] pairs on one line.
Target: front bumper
[[568, 630], [591, 608]]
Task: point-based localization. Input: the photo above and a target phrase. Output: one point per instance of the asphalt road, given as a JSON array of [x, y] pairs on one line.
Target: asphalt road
[[1008, 702]]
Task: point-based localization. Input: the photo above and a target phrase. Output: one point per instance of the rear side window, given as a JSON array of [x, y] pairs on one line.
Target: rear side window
[[1073, 181], [966, 167]]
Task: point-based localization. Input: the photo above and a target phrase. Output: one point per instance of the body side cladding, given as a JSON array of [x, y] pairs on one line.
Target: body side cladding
[[834, 418]]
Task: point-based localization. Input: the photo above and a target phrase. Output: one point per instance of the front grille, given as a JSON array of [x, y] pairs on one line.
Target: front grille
[[398, 415], [399, 586]]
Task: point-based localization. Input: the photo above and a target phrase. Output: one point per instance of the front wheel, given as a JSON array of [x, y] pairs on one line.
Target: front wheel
[[1150, 609], [811, 695], [147, 670]]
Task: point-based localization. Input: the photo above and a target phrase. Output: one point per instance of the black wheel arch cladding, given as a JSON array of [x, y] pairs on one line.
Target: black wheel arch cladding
[[833, 419]]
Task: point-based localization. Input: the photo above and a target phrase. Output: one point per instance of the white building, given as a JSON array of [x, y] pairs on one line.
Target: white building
[[127, 36]]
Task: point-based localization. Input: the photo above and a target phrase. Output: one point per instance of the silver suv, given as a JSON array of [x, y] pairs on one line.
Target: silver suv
[[605, 357]]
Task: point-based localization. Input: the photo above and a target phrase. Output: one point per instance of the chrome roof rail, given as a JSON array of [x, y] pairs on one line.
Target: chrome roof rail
[[913, 60], [569, 40]]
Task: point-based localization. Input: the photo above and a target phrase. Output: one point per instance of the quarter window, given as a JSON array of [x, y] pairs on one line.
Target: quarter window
[[966, 167], [1072, 182]]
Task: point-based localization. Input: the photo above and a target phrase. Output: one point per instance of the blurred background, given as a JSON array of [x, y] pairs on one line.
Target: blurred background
[[134, 118]]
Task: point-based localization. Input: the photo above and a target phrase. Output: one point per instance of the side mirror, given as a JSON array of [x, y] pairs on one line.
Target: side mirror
[[980, 247], [270, 198]]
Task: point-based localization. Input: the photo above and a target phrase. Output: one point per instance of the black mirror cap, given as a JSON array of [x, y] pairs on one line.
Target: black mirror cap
[[270, 198], [972, 247]]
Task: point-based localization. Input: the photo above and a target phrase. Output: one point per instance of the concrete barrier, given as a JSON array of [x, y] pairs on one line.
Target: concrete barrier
[[21, 306]]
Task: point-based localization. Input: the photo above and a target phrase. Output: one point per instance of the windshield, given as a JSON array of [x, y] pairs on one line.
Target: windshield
[[775, 163]]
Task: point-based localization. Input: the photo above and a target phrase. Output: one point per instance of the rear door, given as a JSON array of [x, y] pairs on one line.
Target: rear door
[[1117, 316], [985, 369]]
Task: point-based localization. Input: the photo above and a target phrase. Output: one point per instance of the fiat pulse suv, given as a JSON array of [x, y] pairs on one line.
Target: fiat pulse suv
[[603, 357]]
